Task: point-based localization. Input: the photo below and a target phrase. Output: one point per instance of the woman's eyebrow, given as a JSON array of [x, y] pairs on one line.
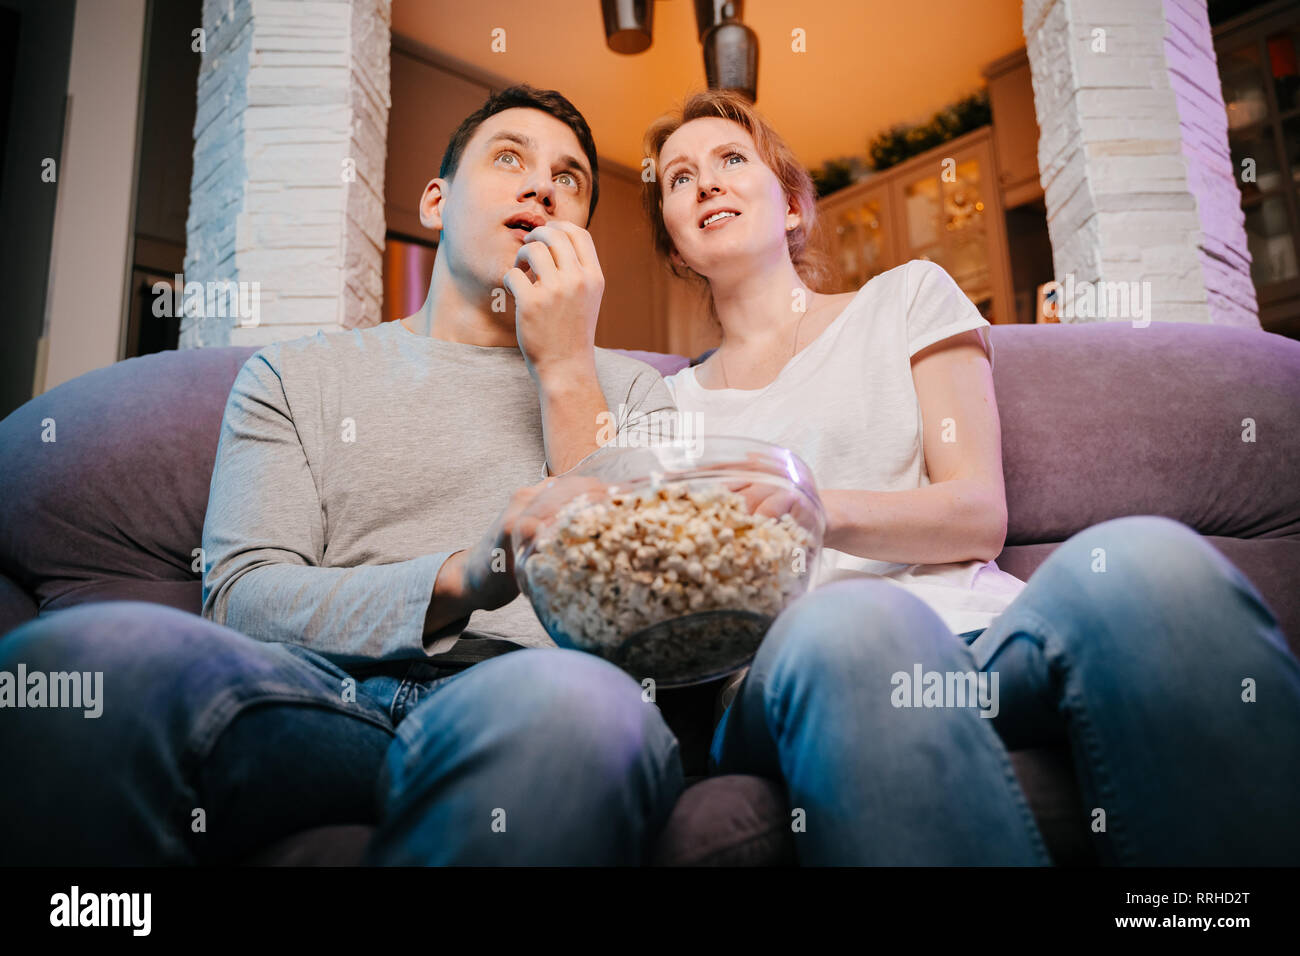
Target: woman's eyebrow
[[715, 151]]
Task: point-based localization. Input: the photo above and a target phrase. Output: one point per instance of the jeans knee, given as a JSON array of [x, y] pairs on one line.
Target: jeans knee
[[1149, 559], [134, 633], [548, 701], [848, 628]]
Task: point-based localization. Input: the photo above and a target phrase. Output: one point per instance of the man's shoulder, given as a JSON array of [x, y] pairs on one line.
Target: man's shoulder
[[318, 349]]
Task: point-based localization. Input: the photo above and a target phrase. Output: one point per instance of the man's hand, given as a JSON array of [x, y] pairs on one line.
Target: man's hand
[[488, 569], [556, 309]]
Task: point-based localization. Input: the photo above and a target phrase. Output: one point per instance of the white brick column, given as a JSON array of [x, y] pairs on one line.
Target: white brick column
[[1134, 157], [287, 196]]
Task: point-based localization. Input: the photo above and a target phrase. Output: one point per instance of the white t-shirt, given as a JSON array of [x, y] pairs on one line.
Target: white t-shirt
[[847, 405]]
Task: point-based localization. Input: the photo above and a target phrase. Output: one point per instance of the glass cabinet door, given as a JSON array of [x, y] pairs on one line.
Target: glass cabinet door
[[1259, 66], [943, 219], [858, 239]]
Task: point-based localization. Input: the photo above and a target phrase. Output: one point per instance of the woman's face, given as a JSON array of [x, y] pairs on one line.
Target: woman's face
[[708, 166]]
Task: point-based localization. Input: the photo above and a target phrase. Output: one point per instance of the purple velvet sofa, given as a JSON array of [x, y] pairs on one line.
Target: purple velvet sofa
[[1098, 421]]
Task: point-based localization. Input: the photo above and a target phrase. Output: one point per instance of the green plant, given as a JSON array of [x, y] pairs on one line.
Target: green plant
[[898, 143]]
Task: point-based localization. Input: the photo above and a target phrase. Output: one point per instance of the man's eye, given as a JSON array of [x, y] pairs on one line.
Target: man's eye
[[512, 156], [571, 180]]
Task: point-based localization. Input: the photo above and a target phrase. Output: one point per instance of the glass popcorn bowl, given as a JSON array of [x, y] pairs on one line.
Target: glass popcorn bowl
[[671, 561]]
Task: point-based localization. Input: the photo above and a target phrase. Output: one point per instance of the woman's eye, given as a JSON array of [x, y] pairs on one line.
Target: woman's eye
[[729, 156], [678, 178]]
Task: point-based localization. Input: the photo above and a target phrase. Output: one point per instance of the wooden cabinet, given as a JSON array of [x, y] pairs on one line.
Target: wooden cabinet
[[943, 205], [1015, 128], [1258, 55]]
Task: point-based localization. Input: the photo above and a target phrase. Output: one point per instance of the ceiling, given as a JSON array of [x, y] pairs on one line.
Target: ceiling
[[869, 64]]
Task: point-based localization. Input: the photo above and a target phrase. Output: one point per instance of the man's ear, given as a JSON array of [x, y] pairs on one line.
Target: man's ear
[[431, 203]]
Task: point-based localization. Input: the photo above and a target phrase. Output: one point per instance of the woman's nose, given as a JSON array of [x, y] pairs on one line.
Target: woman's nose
[[706, 191]]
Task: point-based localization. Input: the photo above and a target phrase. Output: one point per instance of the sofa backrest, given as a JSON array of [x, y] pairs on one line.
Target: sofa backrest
[[1104, 420], [1098, 421], [114, 504]]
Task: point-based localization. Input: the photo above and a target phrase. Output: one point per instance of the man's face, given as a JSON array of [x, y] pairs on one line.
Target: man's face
[[522, 168]]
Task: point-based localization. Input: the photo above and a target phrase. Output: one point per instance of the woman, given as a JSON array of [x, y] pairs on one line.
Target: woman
[[1135, 654]]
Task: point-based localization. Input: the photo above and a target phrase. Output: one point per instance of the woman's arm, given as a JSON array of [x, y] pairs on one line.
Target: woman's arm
[[962, 514]]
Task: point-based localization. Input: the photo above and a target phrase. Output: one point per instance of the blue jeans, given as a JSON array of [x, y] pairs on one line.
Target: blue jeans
[[211, 746], [1165, 674]]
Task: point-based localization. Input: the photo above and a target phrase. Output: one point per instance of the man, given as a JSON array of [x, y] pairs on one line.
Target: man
[[366, 655]]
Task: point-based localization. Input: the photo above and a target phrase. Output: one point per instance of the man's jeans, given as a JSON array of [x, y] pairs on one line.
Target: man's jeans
[[1165, 674], [211, 745]]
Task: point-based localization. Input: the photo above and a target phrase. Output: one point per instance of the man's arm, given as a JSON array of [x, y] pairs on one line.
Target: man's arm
[[264, 545], [646, 410], [572, 405]]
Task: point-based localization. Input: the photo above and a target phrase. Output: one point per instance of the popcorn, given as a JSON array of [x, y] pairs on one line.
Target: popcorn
[[601, 572]]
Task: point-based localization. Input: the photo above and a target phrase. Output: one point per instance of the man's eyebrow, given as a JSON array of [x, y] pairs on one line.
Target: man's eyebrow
[[715, 151], [573, 164], [525, 141]]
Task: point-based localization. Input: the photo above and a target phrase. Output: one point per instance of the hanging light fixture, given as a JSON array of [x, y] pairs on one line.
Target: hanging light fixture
[[628, 24], [730, 47]]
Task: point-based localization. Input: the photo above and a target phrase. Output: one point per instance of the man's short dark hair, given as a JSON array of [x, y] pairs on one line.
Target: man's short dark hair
[[548, 101]]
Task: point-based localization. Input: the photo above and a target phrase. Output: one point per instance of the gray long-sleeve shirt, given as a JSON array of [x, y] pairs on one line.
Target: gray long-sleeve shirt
[[352, 465]]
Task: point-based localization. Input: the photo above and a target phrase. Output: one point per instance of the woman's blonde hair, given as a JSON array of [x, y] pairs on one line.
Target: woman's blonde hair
[[809, 263]]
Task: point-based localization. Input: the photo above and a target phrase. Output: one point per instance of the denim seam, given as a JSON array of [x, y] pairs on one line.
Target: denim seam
[[219, 715], [213, 723], [399, 699], [1094, 769], [411, 744]]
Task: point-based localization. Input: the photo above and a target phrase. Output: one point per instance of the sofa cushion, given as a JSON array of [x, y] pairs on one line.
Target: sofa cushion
[[114, 506], [339, 845], [16, 605], [729, 820]]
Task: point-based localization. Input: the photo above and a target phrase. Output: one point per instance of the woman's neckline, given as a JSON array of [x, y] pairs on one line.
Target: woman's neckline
[[793, 358]]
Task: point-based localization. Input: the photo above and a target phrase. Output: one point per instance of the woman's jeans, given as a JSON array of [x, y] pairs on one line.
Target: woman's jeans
[[1135, 643], [1165, 673]]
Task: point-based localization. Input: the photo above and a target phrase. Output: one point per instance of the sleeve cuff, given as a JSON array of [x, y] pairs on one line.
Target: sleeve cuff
[[445, 637]]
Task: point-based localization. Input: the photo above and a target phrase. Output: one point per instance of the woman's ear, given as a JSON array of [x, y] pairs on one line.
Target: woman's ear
[[675, 258], [792, 217], [431, 203]]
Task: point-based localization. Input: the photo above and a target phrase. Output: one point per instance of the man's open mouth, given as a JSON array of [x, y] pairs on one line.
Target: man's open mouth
[[524, 223]]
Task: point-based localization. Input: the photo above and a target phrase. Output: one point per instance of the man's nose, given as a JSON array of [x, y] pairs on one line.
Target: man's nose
[[542, 189]]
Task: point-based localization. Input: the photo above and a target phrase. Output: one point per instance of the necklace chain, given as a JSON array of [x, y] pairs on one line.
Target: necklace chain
[[794, 349]]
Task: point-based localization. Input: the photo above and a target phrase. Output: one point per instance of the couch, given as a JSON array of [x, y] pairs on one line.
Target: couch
[[1098, 421]]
